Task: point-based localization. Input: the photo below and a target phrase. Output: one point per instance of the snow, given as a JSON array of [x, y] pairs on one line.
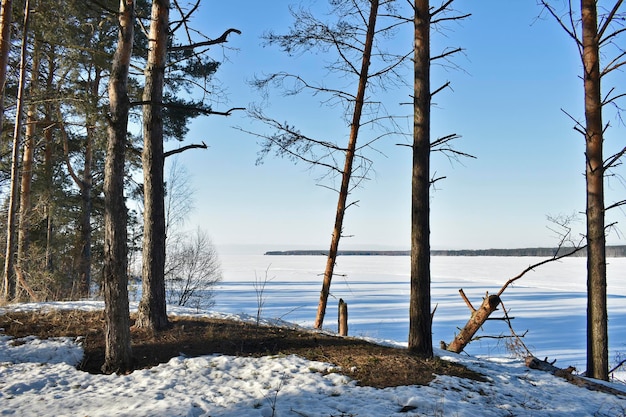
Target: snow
[[39, 378]]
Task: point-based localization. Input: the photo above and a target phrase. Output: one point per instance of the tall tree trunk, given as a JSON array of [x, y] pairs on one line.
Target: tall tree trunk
[[10, 287], [347, 170], [84, 262], [597, 331], [47, 161], [5, 46], [86, 186], [27, 172], [420, 325], [152, 308], [118, 354]]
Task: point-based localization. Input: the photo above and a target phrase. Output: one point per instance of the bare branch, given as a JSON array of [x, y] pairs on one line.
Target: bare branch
[[614, 64], [579, 127], [446, 54], [614, 159], [443, 87], [556, 257], [184, 17], [221, 39], [570, 31], [201, 110], [449, 18], [609, 19], [467, 301], [184, 148], [614, 205]]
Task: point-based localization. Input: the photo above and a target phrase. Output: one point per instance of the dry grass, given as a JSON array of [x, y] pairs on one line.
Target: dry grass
[[369, 364]]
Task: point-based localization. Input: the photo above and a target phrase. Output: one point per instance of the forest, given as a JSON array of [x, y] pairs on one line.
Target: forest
[[93, 89]]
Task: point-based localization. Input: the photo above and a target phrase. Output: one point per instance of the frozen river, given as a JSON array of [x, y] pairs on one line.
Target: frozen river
[[549, 302]]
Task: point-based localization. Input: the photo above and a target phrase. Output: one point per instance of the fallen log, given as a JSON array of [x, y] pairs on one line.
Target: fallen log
[[490, 304], [477, 319], [567, 374]]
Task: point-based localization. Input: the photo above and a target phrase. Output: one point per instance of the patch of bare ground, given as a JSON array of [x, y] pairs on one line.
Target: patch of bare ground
[[369, 364]]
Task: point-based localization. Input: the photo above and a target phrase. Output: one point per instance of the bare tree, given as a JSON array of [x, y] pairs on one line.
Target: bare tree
[[118, 353], [420, 317], [353, 39], [420, 323], [597, 36], [597, 319], [349, 160], [192, 270]]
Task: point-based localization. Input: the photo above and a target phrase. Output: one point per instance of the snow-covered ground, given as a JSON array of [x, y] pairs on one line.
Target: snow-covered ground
[[38, 378]]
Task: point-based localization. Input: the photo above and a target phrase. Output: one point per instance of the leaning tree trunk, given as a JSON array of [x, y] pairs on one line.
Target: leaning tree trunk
[[10, 285], [597, 317], [118, 354], [152, 308], [420, 321], [347, 170]]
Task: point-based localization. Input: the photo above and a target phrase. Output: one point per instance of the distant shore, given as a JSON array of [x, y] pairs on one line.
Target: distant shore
[[611, 252]]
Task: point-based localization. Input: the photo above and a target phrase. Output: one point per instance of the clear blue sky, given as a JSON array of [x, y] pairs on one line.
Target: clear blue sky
[[518, 72]]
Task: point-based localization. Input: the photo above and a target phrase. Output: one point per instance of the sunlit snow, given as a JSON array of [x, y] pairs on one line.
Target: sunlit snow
[[39, 378]]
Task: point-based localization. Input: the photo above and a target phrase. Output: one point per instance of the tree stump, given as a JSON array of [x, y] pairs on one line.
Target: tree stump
[[343, 318]]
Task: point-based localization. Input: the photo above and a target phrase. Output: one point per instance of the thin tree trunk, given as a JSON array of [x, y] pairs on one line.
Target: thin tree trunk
[[47, 162], [84, 262], [420, 321], [10, 286], [27, 171], [5, 46], [347, 170], [118, 354], [152, 308], [86, 186], [597, 331]]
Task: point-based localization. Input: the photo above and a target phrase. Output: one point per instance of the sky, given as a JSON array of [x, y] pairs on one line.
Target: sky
[[517, 76]]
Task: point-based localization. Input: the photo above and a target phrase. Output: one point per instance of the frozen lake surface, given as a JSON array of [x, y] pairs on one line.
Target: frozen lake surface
[[549, 302]]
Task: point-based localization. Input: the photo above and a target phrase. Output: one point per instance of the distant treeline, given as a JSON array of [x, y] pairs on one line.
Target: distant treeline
[[611, 252]]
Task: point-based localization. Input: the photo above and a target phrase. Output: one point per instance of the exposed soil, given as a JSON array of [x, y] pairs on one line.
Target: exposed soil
[[369, 364]]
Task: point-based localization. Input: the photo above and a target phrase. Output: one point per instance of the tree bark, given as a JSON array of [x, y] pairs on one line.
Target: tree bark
[[344, 190], [152, 308], [84, 262], [597, 317], [118, 354], [86, 191], [5, 46], [477, 319], [10, 285], [342, 327], [27, 172], [420, 321], [47, 163]]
